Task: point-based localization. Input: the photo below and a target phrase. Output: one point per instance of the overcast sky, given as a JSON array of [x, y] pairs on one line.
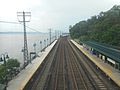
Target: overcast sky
[[55, 14]]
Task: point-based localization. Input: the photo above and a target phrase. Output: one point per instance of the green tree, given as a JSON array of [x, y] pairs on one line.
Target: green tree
[[2, 74], [13, 67], [104, 27], [11, 63]]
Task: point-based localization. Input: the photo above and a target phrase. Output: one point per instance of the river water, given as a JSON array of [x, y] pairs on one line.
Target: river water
[[12, 43]]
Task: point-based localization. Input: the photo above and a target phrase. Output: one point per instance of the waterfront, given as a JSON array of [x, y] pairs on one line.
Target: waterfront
[[13, 43]]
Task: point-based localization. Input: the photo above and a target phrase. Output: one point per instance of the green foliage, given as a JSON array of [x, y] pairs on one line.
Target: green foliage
[[104, 27], [2, 74], [11, 63], [11, 69]]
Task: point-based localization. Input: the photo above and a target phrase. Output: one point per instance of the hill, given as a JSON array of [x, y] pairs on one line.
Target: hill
[[104, 28]]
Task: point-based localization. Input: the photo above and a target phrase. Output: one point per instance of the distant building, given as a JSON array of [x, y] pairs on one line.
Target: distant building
[[65, 34]]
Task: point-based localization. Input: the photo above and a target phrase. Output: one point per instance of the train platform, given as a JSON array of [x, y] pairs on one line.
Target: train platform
[[19, 82], [111, 72]]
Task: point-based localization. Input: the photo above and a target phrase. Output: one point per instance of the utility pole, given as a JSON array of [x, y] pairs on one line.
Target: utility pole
[[23, 15], [50, 35]]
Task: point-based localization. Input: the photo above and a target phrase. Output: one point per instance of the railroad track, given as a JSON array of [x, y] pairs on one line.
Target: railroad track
[[42, 72], [99, 82], [66, 74], [96, 82], [77, 77], [70, 70], [56, 80]]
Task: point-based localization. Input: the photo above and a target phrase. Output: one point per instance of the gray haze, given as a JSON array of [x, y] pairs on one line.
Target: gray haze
[[55, 14]]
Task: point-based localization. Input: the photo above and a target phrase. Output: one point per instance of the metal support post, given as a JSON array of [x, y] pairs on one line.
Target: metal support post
[[50, 36], [25, 50]]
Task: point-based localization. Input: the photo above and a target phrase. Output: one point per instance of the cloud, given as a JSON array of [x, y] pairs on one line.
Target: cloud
[[56, 14]]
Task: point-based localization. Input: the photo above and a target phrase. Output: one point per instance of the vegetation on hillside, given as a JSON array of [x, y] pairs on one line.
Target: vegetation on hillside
[[104, 28]]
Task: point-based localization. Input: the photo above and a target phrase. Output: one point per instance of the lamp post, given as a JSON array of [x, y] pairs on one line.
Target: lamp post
[[45, 43], [34, 45], [50, 34], [55, 34], [41, 45], [3, 58]]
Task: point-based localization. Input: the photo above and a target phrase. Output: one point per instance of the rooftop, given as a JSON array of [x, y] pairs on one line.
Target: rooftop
[[105, 49]]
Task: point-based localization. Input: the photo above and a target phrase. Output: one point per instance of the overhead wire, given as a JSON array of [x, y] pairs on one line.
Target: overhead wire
[[20, 24], [9, 22]]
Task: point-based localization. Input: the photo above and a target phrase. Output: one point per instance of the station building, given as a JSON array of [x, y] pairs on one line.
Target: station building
[[105, 52]]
